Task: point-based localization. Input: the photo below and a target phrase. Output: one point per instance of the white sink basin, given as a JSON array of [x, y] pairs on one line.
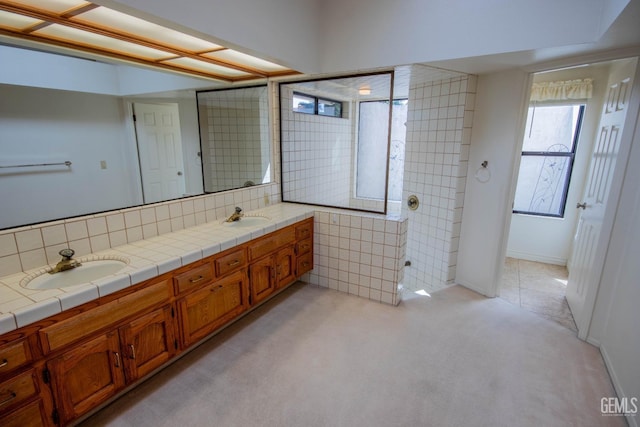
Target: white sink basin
[[87, 272], [248, 221]]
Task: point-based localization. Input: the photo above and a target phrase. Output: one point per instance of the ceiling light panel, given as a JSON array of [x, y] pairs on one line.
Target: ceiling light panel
[[206, 67], [55, 6], [92, 40], [239, 58], [86, 26], [108, 18], [14, 21]]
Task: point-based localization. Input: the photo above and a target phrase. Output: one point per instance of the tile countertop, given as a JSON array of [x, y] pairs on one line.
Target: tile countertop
[[147, 259]]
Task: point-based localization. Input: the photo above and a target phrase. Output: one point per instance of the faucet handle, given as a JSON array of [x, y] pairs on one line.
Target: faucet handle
[[66, 253], [238, 210]]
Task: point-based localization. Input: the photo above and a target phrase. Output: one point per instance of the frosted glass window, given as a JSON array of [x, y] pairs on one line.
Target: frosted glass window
[[372, 149], [547, 159]]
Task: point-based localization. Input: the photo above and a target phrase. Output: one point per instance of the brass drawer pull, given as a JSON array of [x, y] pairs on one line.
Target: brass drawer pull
[[4, 363], [132, 352], [305, 264], [215, 288], [12, 395], [197, 279], [232, 263], [117, 359]]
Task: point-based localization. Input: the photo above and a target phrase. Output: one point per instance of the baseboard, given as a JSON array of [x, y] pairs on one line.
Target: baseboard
[[632, 420], [536, 258]]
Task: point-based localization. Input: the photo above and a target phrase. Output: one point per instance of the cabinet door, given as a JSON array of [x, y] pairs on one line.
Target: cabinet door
[[86, 375], [285, 267], [262, 277], [147, 343], [207, 309]]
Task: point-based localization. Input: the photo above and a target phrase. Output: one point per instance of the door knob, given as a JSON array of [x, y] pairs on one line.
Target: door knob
[[581, 205], [179, 173]]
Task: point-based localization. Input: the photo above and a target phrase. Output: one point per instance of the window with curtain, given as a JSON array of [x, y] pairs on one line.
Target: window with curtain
[[548, 153]]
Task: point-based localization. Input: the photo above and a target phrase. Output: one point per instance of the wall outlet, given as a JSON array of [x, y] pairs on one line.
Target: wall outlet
[[334, 218], [103, 164], [266, 199]]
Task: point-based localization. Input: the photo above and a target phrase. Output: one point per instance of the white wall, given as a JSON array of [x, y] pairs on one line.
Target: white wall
[[43, 125], [24, 67], [363, 34], [616, 317], [495, 137], [546, 239], [38, 69]]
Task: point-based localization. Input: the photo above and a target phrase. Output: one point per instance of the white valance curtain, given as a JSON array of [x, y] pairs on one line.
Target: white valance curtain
[[562, 90]]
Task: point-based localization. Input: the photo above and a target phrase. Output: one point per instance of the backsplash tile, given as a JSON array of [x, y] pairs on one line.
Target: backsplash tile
[[34, 246]]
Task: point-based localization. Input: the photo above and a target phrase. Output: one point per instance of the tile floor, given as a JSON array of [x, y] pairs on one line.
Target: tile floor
[[539, 288]]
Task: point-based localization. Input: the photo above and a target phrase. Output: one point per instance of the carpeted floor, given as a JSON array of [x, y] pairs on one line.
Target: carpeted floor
[[316, 357]]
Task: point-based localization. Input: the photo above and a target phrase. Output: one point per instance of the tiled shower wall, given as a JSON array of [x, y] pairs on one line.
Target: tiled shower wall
[[359, 254], [436, 159], [236, 144], [29, 247], [316, 155]]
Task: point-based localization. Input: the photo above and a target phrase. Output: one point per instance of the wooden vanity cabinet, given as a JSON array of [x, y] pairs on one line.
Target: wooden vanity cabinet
[[24, 399], [148, 342], [271, 273], [86, 375], [32, 415], [203, 311], [60, 369], [304, 247]]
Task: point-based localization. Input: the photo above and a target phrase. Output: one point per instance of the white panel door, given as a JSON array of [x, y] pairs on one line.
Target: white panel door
[[585, 266], [160, 151]]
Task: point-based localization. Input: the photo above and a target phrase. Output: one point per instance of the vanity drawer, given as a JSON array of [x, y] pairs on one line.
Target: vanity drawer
[[14, 355], [17, 390], [79, 326], [304, 264], [195, 277], [304, 246], [269, 243], [31, 415], [304, 230], [230, 261]]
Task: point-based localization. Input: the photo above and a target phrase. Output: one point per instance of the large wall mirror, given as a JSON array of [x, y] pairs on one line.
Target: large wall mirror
[[335, 137], [234, 133], [69, 145]]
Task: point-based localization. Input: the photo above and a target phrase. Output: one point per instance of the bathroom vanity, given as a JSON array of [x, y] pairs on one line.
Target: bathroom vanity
[[59, 368]]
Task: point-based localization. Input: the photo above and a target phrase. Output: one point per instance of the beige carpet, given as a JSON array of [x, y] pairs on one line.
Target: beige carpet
[[316, 357]]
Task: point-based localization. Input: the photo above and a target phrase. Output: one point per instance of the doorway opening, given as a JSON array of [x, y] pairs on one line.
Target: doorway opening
[[547, 247]]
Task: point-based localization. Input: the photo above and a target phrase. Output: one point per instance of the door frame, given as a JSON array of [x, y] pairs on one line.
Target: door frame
[[614, 196]]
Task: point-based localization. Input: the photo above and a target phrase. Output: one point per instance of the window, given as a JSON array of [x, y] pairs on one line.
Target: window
[[372, 149], [308, 104], [547, 159]]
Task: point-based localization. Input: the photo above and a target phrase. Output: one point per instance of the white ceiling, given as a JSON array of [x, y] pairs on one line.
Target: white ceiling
[[623, 36], [330, 36]]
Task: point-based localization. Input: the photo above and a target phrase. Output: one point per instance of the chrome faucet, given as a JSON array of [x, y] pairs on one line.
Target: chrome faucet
[[236, 215], [66, 263]]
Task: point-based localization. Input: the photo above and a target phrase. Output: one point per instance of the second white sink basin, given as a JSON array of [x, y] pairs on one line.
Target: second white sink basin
[[248, 221], [87, 272]]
